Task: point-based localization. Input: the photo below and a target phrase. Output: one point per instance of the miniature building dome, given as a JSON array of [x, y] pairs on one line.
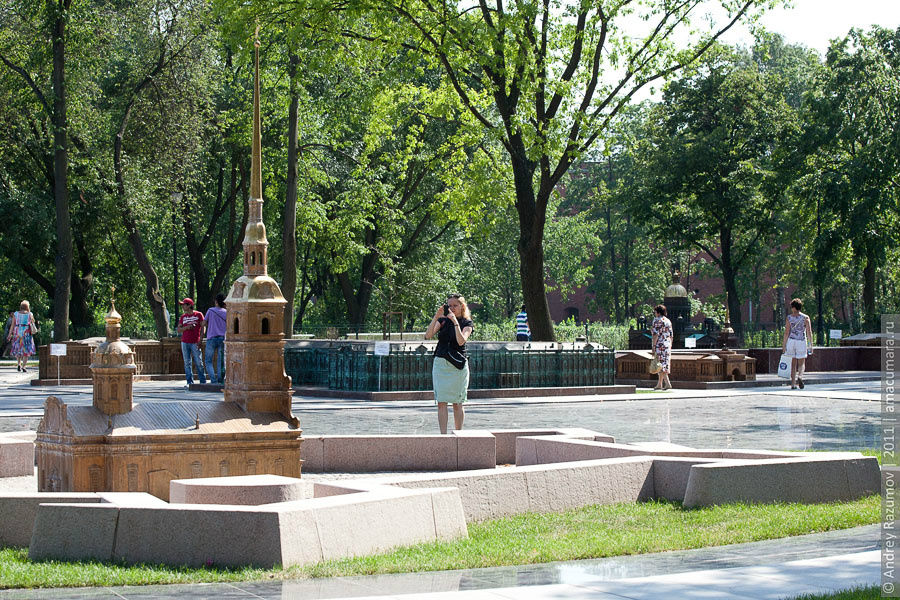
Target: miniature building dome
[[113, 351], [676, 290]]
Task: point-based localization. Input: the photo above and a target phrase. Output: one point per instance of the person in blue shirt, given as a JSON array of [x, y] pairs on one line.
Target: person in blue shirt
[[523, 331]]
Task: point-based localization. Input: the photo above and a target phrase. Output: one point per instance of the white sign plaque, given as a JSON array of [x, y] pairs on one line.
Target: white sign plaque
[[57, 349], [835, 334], [690, 342], [382, 348]]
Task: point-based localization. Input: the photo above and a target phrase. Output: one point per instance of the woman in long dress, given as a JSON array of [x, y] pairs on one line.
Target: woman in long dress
[[661, 328], [22, 342]]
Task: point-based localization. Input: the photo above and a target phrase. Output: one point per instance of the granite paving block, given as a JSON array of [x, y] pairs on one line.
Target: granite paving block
[[485, 494], [198, 535], [16, 457], [555, 449], [312, 450], [506, 442], [363, 454], [475, 449], [559, 487], [74, 532], [372, 525], [779, 480], [299, 537], [131, 499], [252, 490], [863, 476], [449, 515], [671, 474], [18, 511]]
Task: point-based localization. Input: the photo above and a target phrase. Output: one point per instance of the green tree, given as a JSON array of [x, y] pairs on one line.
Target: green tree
[[710, 163], [627, 270], [544, 80], [852, 153], [23, 23]]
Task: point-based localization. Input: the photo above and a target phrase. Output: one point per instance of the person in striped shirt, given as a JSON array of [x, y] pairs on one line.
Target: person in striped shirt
[[523, 332]]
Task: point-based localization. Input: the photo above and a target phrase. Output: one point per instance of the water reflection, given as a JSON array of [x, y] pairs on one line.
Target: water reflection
[[582, 572], [765, 421]]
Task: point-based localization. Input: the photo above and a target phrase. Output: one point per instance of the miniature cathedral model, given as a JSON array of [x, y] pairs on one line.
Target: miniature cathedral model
[[117, 445], [254, 374]]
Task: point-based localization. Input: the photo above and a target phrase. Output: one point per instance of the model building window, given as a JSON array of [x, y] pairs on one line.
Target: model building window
[[237, 329], [252, 258], [265, 326]]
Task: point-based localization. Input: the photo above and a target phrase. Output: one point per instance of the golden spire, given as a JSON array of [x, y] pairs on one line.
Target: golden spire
[[113, 317], [255, 242], [256, 166]]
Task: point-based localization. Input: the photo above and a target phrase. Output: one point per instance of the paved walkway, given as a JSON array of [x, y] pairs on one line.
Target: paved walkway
[[823, 416]]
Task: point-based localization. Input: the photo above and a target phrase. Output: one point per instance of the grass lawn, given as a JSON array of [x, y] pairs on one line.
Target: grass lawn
[[590, 532], [860, 593]]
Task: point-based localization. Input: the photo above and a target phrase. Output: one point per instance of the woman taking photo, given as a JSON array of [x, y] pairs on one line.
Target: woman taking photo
[[20, 334], [453, 325]]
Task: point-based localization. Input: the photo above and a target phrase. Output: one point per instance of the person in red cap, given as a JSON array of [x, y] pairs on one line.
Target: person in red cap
[[190, 324]]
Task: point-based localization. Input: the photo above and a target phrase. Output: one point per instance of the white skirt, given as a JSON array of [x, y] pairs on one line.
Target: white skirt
[[450, 383]]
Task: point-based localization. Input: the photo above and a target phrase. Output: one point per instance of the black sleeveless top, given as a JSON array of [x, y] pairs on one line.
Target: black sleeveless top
[[447, 347]]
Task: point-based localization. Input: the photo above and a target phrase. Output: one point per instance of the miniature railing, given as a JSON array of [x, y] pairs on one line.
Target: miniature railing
[[354, 366]]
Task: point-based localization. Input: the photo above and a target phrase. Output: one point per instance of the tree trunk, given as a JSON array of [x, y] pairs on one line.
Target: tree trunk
[[612, 249], [626, 265], [729, 275], [79, 310], [612, 265], [532, 215], [289, 271], [176, 286], [63, 260], [820, 322], [349, 297], [151, 280], [304, 297], [198, 282], [871, 318], [358, 300]]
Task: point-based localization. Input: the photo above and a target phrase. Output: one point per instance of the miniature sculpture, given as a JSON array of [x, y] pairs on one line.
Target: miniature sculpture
[[113, 368], [254, 371], [117, 445]]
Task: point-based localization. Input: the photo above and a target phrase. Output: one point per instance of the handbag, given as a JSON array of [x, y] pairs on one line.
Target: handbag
[[32, 325], [655, 366], [784, 366]]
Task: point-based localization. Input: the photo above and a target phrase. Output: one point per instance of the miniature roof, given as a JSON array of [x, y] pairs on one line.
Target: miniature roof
[[168, 418]]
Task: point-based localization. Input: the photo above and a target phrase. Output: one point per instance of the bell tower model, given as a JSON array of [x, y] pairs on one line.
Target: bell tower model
[[113, 369], [254, 374]]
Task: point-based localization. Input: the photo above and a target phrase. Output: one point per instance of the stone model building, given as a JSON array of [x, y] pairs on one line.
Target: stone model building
[[254, 371], [116, 445], [113, 369], [678, 306]]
